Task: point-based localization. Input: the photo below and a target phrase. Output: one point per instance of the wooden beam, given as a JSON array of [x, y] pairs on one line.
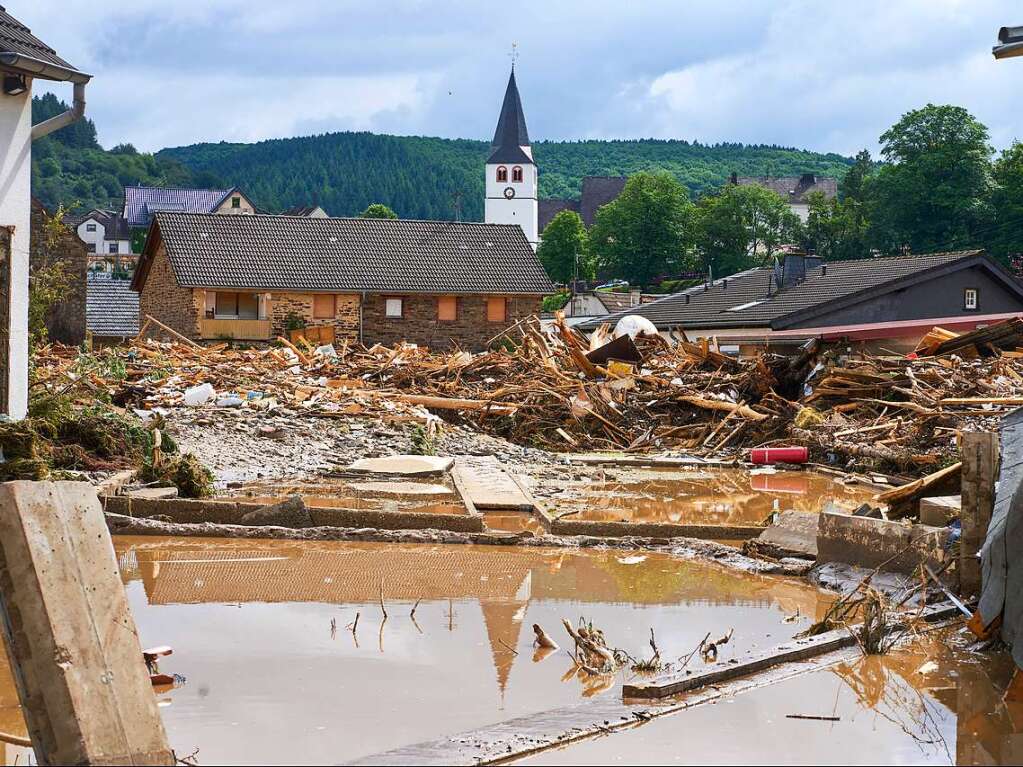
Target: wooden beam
[[172, 331], [72, 642], [980, 470]]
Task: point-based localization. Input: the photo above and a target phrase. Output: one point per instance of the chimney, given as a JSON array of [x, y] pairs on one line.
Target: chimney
[[824, 270], [634, 294], [793, 270], [813, 262]]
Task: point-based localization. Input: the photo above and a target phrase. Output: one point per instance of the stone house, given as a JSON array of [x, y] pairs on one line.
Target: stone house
[[53, 243], [438, 284]]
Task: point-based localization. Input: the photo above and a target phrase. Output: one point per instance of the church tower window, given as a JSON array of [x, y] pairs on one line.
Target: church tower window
[[502, 174], [517, 174]]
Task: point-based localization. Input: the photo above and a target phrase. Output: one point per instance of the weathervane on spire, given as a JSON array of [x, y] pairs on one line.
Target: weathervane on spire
[[514, 55]]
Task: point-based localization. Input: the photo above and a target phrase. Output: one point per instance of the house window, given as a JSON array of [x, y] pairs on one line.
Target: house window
[[240, 306], [502, 174], [324, 307], [393, 307], [113, 247], [970, 300], [90, 227], [517, 173], [447, 308], [90, 247], [497, 309], [236, 202]]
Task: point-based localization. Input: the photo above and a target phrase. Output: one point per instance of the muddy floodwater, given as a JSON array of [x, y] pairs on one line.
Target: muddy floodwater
[[259, 629], [705, 496]]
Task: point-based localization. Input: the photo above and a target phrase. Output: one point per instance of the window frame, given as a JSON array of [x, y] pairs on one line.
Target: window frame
[[113, 248], [504, 304], [966, 299], [236, 202], [502, 174], [333, 306], [453, 299], [517, 174], [90, 227], [401, 307], [90, 247]]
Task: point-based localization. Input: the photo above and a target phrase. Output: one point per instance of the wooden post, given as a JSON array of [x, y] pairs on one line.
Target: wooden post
[[71, 639], [980, 470]]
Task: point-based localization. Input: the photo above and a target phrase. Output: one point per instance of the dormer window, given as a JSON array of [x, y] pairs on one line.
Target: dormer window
[[517, 174], [502, 174], [236, 202]]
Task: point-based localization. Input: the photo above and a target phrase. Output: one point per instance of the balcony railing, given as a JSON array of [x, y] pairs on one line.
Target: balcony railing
[[241, 330]]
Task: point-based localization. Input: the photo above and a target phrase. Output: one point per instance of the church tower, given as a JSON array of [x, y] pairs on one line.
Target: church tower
[[512, 178]]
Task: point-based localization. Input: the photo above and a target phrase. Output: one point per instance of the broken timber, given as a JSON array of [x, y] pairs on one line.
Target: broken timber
[[795, 650], [70, 636]]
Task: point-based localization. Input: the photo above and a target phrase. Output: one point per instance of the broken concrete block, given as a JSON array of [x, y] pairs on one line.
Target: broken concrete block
[[794, 534], [152, 493], [401, 489], [938, 511], [291, 512], [871, 543], [404, 465]]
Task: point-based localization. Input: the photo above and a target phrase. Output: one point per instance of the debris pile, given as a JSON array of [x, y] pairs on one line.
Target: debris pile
[[546, 386]]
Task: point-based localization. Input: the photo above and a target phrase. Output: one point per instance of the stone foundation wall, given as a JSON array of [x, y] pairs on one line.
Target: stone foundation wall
[[419, 325], [173, 305], [286, 305]]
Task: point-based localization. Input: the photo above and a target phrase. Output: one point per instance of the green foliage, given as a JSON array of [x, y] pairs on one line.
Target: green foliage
[[185, 472], [741, 227], [423, 443], [556, 301], [563, 248], [646, 231], [1006, 239], [933, 193], [294, 321], [377, 210], [836, 229], [46, 287]]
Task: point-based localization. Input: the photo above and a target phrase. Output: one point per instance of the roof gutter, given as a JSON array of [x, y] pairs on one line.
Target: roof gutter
[[33, 67]]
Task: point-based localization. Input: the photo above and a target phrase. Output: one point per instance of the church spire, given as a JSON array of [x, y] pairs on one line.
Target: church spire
[[511, 139]]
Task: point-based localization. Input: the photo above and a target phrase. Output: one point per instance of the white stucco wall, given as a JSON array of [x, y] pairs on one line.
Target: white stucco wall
[[523, 209], [15, 210]]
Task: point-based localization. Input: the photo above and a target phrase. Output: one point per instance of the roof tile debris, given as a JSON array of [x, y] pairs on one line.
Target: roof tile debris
[[263, 252]]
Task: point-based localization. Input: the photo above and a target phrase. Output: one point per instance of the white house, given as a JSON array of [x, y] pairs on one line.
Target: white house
[[104, 232], [23, 58]]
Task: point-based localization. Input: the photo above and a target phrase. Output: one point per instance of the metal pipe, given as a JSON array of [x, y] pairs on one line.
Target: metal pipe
[[74, 114]]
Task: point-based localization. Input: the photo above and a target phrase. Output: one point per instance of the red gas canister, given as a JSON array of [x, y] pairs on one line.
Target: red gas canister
[[779, 455]]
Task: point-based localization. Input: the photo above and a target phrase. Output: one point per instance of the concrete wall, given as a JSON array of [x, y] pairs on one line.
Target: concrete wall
[[15, 196], [523, 209], [940, 297]]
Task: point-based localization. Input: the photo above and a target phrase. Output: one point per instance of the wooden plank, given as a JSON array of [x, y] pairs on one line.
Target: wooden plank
[[487, 485], [172, 331], [980, 470], [71, 639]]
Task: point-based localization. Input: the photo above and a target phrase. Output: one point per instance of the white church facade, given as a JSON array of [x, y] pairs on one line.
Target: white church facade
[[512, 181]]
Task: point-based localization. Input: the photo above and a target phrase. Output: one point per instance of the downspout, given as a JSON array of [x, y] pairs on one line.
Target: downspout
[[74, 114]]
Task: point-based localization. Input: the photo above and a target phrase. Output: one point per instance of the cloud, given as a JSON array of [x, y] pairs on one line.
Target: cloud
[[830, 76]]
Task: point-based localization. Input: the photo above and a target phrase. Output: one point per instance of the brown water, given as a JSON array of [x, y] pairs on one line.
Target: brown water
[[269, 681], [706, 497], [896, 709], [337, 494]]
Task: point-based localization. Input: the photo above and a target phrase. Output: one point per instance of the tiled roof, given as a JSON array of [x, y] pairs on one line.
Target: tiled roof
[[793, 188], [348, 254], [115, 227], [598, 191], [140, 202], [16, 38], [111, 306], [548, 209], [301, 210], [511, 134], [615, 302], [718, 305]]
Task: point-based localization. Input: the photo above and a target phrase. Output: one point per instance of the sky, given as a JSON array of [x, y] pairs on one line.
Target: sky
[[821, 76]]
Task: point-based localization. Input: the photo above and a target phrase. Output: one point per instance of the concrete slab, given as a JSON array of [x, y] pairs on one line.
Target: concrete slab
[[488, 486], [402, 489], [939, 510], [794, 534], [404, 465], [70, 635], [153, 492], [621, 459], [870, 543]]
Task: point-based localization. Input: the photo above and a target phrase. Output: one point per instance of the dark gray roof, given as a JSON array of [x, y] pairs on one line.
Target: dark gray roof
[[111, 306], [140, 202], [511, 134], [597, 192], [793, 188], [301, 210], [377, 255], [16, 41], [842, 283], [548, 209]]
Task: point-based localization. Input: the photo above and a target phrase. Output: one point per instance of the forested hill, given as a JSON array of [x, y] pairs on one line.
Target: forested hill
[[420, 177]]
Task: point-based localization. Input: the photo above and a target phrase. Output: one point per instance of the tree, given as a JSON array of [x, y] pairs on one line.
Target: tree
[[378, 210], [934, 192], [646, 231], [1005, 240], [853, 182], [563, 248], [836, 229], [741, 227]]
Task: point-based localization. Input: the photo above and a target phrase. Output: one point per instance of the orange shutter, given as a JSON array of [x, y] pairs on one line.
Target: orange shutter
[[497, 309], [447, 308], [323, 306]]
